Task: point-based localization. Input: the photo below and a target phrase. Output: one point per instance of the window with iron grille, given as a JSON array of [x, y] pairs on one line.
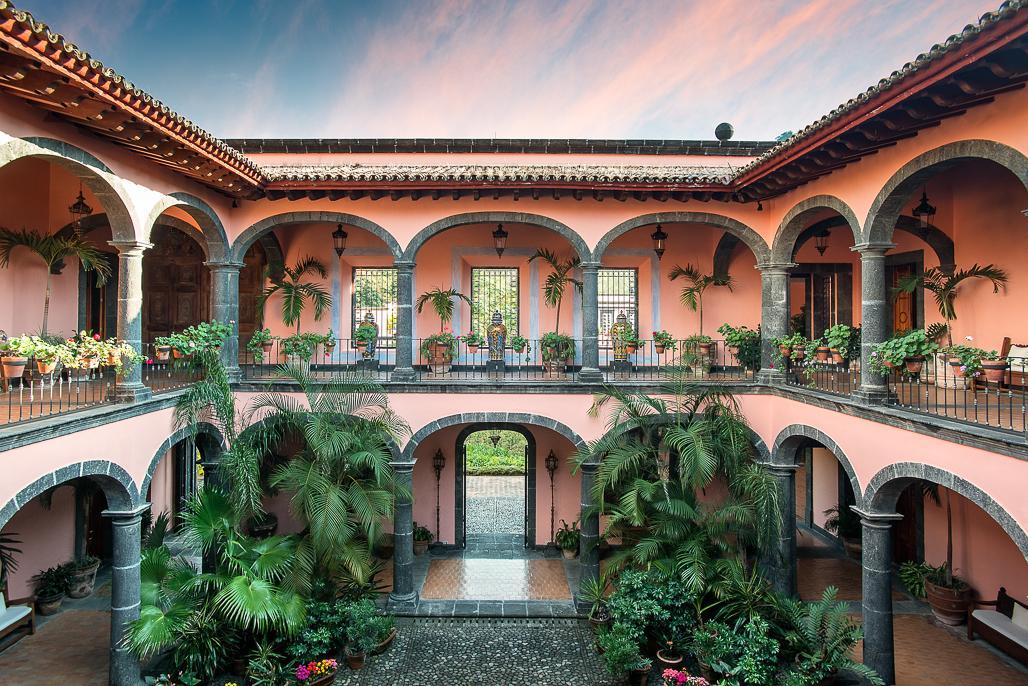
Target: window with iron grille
[[494, 289], [374, 291], [617, 292]]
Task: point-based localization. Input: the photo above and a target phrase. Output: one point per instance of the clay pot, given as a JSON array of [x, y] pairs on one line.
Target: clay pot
[[640, 677], [177, 354], [954, 367], [472, 349], [420, 547], [266, 346], [630, 348], [569, 553], [837, 357], [82, 581], [705, 349], [354, 661], [14, 367], [331, 678], [361, 346], [994, 370], [112, 359], [659, 349], [519, 350], [914, 364], [384, 644], [799, 354], [164, 352], [49, 605], [949, 605], [734, 349], [668, 659], [45, 367], [785, 350], [823, 353]]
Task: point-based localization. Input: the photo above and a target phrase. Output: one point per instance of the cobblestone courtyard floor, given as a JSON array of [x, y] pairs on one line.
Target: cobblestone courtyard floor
[[496, 504]]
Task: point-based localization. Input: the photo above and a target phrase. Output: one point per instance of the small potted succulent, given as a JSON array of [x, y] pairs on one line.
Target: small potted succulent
[[422, 537], [318, 672], [364, 336], [82, 576], [567, 538], [838, 337], [51, 587], [473, 340], [261, 343], [663, 341], [519, 344]]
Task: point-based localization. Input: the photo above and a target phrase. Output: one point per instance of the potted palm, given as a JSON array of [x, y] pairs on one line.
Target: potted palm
[[567, 538], [559, 279], [296, 292], [51, 588], [696, 284], [82, 576], [593, 590], [52, 250], [440, 348]]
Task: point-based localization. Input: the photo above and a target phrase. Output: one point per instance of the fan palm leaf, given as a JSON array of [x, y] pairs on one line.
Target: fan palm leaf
[[296, 293]]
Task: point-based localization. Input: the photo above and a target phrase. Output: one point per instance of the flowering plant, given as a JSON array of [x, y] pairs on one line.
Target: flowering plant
[[675, 677], [88, 344], [665, 339], [315, 670], [970, 358], [473, 339], [444, 339]]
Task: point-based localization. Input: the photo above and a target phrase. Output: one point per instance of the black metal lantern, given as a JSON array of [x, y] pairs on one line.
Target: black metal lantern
[[659, 241], [79, 210], [495, 438], [551, 463], [924, 212], [438, 462], [551, 468], [339, 240], [500, 240], [821, 241]]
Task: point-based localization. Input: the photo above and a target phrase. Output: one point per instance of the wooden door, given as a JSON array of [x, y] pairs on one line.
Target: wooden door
[[903, 304], [906, 533], [251, 283], [176, 284]]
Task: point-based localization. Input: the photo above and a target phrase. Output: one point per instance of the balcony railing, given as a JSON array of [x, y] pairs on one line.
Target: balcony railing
[[473, 363], [342, 356], [825, 373], [649, 361]]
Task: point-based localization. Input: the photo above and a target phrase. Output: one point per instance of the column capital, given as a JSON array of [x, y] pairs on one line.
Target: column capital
[[223, 266], [130, 247], [780, 469], [402, 465], [873, 249], [116, 515], [589, 466], [590, 265], [876, 518], [404, 264], [776, 267]]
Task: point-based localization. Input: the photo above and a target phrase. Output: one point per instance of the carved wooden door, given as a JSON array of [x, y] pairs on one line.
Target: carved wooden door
[[903, 315], [176, 284], [251, 283]]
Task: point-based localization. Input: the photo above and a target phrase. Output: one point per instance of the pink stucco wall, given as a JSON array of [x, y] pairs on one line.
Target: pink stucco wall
[[826, 484], [162, 486], [47, 538]]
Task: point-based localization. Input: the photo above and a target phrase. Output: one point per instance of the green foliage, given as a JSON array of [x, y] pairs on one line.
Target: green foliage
[[428, 345], [295, 292], [520, 344], [944, 287], [696, 284], [746, 654], [257, 341], [556, 346], [362, 626], [914, 343], [441, 302], [970, 358], [665, 339], [653, 607], [422, 533], [558, 280], [53, 581], [266, 666], [620, 651], [506, 458], [473, 338], [324, 632], [838, 337], [365, 333], [302, 345], [593, 590], [567, 536]]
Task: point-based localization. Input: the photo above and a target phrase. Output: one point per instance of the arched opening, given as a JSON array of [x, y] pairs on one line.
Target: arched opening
[[494, 484], [176, 282]]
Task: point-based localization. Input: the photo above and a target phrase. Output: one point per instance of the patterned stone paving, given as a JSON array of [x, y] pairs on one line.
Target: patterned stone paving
[[70, 649], [482, 579]]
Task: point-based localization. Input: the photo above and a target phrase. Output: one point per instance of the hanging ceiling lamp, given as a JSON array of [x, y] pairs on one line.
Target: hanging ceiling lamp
[[659, 241], [79, 210], [339, 240], [500, 240], [924, 213], [495, 438], [821, 241]]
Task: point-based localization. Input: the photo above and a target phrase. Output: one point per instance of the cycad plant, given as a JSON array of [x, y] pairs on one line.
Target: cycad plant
[[52, 249], [658, 458], [696, 284], [441, 302], [945, 287], [559, 279], [340, 482], [297, 292]]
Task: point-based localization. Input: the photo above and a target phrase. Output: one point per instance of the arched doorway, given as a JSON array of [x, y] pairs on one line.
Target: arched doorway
[[496, 487]]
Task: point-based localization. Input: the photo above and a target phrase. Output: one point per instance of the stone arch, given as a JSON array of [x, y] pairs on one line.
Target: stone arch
[[792, 437], [489, 418], [885, 487], [207, 436], [94, 174], [733, 226], [247, 238], [887, 206], [453, 221], [212, 236], [723, 254], [795, 221], [117, 485]]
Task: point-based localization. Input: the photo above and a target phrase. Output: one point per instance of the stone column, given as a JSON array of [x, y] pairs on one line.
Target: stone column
[[874, 313], [876, 560], [590, 372], [589, 552], [225, 308], [129, 387], [774, 316], [782, 568], [403, 535], [404, 370], [124, 668]]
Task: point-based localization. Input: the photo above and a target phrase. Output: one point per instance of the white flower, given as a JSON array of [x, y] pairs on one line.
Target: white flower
[[968, 338]]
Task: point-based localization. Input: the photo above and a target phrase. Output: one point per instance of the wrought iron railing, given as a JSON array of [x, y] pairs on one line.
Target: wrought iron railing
[[827, 372], [341, 356], [649, 361], [463, 362]]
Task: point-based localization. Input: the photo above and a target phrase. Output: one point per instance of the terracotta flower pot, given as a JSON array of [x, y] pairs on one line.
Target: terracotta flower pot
[[361, 346], [994, 370], [331, 345], [799, 354], [49, 605], [519, 349], [954, 367], [177, 354], [837, 357], [914, 364], [949, 605], [631, 348], [164, 352], [45, 367], [823, 353], [384, 644], [420, 547], [473, 349], [82, 581], [569, 553], [266, 346], [705, 349], [668, 659], [640, 677], [659, 349], [14, 367], [354, 661], [786, 350]]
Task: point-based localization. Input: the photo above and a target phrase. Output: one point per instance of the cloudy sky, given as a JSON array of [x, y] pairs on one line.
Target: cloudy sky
[[483, 68]]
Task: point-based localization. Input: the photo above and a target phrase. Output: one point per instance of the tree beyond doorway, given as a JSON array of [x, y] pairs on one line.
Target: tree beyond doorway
[[506, 458]]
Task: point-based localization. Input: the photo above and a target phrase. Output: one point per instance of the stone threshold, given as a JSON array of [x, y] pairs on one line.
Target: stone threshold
[[497, 609]]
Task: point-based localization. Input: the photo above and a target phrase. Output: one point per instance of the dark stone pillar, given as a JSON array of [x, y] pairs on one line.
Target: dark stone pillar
[[403, 535], [774, 316], [782, 567], [876, 560], [590, 372], [124, 668], [225, 308], [129, 387], [589, 552], [404, 370], [874, 328]]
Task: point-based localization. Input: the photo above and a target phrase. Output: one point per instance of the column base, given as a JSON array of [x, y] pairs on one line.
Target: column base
[[129, 393], [590, 375], [403, 374], [495, 366], [233, 374], [368, 365], [771, 377], [403, 597], [872, 395]]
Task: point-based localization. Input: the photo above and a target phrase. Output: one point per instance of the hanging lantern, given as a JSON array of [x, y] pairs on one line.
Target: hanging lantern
[[79, 210], [495, 439], [551, 463], [659, 241], [339, 240], [924, 212], [500, 240], [438, 462], [821, 241]]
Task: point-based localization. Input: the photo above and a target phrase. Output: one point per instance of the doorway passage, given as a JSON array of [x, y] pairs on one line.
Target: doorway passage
[[495, 490]]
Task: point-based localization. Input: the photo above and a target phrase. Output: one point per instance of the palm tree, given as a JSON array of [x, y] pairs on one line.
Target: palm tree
[[557, 282], [296, 292], [53, 249], [945, 287], [692, 292], [341, 481], [442, 303]]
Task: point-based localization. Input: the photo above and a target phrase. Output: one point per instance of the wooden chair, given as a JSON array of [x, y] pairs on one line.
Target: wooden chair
[[16, 614], [997, 626], [1017, 375]]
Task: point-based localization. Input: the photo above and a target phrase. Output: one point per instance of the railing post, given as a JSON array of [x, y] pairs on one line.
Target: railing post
[[874, 312], [774, 316], [590, 324], [225, 309], [404, 370], [129, 387], [124, 667]]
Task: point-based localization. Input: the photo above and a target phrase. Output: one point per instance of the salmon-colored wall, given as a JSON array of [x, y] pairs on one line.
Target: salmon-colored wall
[[47, 538], [162, 486], [826, 484]]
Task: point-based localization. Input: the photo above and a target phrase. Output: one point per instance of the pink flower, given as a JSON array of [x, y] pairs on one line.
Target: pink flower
[[96, 337]]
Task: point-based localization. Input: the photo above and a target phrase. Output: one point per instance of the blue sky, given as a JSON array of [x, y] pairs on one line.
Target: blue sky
[[478, 68]]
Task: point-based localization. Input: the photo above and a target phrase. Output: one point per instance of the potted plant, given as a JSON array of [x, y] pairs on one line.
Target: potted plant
[[364, 336], [299, 348], [362, 632], [319, 672], [593, 590], [82, 576], [473, 340], [51, 353], [385, 630], [16, 352], [699, 343], [965, 361], [798, 346], [567, 538], [422, 537], [162, 344], [289, 284], [559, 279], [994, 366], [844, 522], [557, 351], [261, 343], [519, 344], [910, 350], [439, 349], [662, 341], [838, 338], [328, 342], [51, 587], [631, 340], [669, 656], [263, 524], [696, 284], [621, 655], [735, 337]]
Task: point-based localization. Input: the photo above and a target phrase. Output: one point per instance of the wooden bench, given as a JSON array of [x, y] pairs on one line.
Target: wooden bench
[[16, 614], [998, 627]]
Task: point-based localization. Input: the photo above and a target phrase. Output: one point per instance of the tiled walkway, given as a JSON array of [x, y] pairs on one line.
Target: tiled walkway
[[482, 579], [70, 649]]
